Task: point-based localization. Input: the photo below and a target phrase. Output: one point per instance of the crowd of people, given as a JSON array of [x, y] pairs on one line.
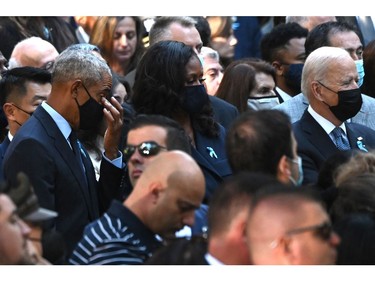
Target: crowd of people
[[188, 141]]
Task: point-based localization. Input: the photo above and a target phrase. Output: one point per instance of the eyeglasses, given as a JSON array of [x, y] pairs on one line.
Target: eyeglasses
[[29, 113], [146, 149], [323, 231]]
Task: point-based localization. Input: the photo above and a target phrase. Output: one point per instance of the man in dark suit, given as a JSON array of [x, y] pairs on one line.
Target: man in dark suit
[[22, 89], [329, 82], [46, 149]]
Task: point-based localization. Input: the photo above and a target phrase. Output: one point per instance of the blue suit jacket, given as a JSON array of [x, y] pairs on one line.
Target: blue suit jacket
[[41, 151], [295, 107], [3, 148], [224, 112], [315, 145], [214, 165]]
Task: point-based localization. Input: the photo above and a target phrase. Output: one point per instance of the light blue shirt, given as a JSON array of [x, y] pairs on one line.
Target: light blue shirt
[[66, 129]]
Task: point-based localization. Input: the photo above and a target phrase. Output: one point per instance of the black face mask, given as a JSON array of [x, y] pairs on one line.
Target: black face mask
[[293, 77], [90, 113], [350, 102], [194, 98]]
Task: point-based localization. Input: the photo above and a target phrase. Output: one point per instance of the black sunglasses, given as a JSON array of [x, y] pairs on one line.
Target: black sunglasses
[[146, 149], [323, 231]]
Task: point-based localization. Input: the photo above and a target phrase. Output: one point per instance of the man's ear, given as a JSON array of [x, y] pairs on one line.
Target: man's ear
[[284, 170], [8, 109], [155, 189], [316, 89], [75, 87], [278, 67]]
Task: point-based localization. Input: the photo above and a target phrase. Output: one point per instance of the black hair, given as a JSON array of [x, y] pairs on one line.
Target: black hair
[[160, 80], [14, 81], [319, 36], [278, 38]]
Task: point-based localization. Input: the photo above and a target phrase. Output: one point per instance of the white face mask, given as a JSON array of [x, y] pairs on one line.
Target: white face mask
[[262, 103]]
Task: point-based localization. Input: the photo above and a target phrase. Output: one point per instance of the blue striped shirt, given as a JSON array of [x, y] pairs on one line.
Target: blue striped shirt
[[118, 237]]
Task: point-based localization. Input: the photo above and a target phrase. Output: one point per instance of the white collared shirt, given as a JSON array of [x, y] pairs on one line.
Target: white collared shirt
[[326, 125]]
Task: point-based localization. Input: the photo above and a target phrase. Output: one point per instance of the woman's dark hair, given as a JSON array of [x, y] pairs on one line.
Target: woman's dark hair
[[159, 80]]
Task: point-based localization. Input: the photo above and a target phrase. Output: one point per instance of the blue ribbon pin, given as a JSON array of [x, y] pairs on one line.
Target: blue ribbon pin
[[360, 144], [211, 152]]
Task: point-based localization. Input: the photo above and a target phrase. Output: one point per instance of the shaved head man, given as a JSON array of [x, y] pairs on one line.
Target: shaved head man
[[33, 51], [162, 202]]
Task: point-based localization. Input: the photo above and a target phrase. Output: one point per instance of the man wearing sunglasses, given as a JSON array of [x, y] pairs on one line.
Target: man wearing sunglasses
[[148, 136], [289, 226], [22, 90]]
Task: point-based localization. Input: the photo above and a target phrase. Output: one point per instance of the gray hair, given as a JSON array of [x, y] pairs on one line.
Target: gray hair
[[79, 64], [160, 29], [209, 52], [317, 65], [298, 19]]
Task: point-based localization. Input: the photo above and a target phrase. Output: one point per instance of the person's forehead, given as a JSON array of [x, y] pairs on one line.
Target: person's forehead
[[347, 39], [187, 35], [148, 132]]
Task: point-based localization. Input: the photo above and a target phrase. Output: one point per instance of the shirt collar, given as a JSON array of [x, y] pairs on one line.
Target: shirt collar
[[60, 121], [324, 123]]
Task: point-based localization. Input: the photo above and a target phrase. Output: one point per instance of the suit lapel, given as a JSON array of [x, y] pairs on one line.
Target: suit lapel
[[65, 152], [316, 135]]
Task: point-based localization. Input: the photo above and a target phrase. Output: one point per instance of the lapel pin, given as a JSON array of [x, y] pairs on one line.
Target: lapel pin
[[211, 152], [360, 144]]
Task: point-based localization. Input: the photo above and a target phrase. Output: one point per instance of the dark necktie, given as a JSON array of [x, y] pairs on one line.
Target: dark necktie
[[77, 152], [340, 139]]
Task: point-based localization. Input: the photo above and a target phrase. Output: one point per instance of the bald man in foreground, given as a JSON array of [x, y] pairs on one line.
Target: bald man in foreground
[[289, 226], [162, 202]]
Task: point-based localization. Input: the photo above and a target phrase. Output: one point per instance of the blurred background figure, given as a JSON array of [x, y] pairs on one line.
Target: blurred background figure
[[309, 22], [248, 31], [223, 39], [212, 70], [84, 27], [368, 86], [13, 235], [120, 41], [33, 51], [55, 30], [46, 245]]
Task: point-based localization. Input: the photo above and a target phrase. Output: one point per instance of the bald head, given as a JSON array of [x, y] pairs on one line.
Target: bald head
[[168, 192], [34, 52], [174, 169]]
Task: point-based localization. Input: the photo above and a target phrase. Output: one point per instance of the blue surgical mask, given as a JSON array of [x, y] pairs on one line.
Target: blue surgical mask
[[262, 102], [293, 76], [299, 181], [361, 71]]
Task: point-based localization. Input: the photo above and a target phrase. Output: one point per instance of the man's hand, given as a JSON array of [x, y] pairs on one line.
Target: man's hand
[[113, 113]]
